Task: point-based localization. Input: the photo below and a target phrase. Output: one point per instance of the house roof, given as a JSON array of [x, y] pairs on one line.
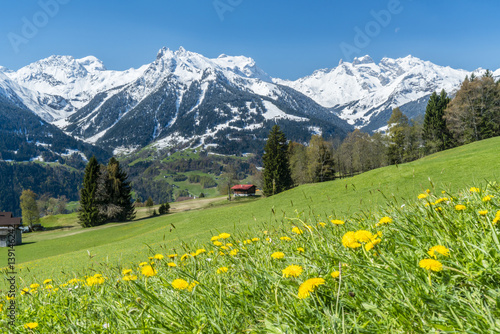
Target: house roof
[[242, 187], [7, 219]]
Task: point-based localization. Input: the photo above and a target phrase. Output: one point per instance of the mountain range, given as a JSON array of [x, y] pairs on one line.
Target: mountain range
[[227, 104]]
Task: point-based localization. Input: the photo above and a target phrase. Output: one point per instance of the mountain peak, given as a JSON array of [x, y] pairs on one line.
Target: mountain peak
[[362, 60], [92, 64]]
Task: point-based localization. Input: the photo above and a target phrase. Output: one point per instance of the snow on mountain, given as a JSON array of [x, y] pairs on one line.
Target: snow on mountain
[[360, 91], [73, 81]]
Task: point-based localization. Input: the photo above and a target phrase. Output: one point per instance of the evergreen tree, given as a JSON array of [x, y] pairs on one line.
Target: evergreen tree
[[277, 175], [436, 135], [29, 208], [149, 204], [320, 158], [120, 192], [89, 214], [397, 132]]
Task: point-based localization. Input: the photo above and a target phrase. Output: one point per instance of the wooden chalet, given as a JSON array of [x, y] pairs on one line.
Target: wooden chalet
[[244, 190], [9, 225]]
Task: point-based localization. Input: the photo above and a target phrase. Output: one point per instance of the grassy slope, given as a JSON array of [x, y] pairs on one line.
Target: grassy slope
[[124, 243]]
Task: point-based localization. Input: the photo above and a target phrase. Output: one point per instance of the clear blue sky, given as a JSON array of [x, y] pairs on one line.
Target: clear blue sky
[[288, 39]]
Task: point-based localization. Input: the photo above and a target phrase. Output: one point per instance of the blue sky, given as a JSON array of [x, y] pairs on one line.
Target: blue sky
[[288, 39]]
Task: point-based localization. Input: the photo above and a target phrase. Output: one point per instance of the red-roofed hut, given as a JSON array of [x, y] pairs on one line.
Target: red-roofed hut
[[244, 190]]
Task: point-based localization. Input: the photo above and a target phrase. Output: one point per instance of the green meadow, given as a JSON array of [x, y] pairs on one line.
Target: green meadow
[[65, 250]]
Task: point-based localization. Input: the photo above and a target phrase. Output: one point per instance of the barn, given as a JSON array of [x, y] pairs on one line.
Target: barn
[[244, 190], [9, 225]]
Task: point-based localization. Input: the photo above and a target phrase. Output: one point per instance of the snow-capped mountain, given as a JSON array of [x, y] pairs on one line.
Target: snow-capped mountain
[[57, 86], [364, 93], [186, 99]]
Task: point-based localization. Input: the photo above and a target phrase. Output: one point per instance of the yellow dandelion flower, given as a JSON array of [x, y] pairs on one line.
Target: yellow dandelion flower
[[185, 256], [129, 278], [309, 286], [440, 200], [460, 207], [47, 281], [180, 284], [224, 248], [349, 240], [363, 236], [322, 224], [126, 271], [199, 251], [335, 274], [423, 196], [438, 249], [292, 271], [217, 243], [285, 238], [337, 222], [428, 191], [483, 212], [31, 325], [159, 257], [278, 255], [224, 235], [300, 249], [487, 198], [95, 280], [297, 230], [9, 298], [148, 271], [372, 244], [475, 190], [142, 264], [222, 253], [214, 238], [192, 285], [172, 256], [234, 252], [255, 239], [438, 209], [1, 307], [222, 270], [431, 264], [25, 291], [171, 264], [497, 218], [384, 220]]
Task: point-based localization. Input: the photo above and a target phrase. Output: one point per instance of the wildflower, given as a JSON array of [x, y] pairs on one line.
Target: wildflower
[[234, 252], [148, 271], [497, 218], [129, 277], [31, 325], [372, 244], [440, 200], [428, 191], [49, 287], [25, 291], [217, 243], [438, 209], [97, 279], [192, 285], [483, 212], [74, 281], [47, 281], [292, 270], [337, 222], [384, 220], [214, 238], [438, 249], [335, 274], [423, 196], [185, 256], [9, 298], [309, 286], [278, 255], [487, 198], [199, 251], [126, 271], [171, 264], [224, 235], [180, 284], [460, 207], [34, 286], [322, 224], [285, 238], [431, 264], [349, 240], [474, 190], [297, 230], [255, 239], [142, 264], [224, 248], [222, 270], [300, 250], [158, 257], [1, 307], [229, 245], [222, 253], [363, 236]]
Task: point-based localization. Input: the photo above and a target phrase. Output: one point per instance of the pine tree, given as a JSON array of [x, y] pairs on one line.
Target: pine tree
[[397, 132], [435, 134], [277, 175], [320, 158], [89, 214], [120, 192]]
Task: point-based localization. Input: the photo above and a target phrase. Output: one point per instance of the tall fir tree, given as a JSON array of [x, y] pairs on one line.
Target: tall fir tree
[[436, 135], [89, 214], [277, 175], [119, 192]]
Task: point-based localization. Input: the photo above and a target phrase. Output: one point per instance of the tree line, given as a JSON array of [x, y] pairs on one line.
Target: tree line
[[473, 114]]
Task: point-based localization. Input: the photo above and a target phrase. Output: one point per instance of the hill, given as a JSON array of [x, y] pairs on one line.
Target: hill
[[473, 164]]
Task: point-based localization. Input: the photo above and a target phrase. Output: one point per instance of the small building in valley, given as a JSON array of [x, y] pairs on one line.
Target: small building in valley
[[9, 226], [244, 190]]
